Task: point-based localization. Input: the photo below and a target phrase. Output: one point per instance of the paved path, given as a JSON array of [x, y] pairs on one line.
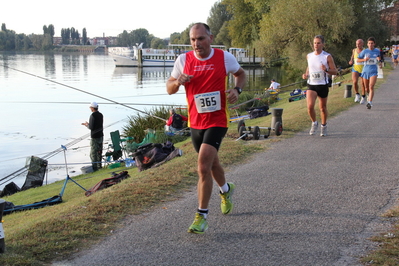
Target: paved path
[[309, 200]]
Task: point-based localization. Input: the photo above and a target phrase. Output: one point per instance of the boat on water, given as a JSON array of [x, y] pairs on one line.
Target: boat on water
[[137, 56]]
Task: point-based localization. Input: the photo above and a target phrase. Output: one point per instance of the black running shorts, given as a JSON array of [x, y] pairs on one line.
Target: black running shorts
[[321, 90], [212, 136]]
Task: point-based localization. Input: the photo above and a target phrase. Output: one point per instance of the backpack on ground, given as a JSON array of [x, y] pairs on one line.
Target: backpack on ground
[[154, 154]]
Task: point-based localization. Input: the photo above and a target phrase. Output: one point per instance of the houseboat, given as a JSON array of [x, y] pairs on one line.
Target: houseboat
[[137, 56]]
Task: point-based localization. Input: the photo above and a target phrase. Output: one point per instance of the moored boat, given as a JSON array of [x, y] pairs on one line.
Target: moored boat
[[139, 57]]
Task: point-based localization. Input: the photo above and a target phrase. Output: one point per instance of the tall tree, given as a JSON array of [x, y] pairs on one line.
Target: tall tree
[[51, 31], [223, 37], [84, 36], [218, 16], [66, 36], [73, 35], [157, 43], [123, 39], [174, 38], [140, 36], [244, 25], [292, 35]]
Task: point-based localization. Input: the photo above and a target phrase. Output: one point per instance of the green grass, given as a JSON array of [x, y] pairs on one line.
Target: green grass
[[37, 237]]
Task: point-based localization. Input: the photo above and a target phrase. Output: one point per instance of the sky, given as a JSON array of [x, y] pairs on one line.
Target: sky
[[109, 18]]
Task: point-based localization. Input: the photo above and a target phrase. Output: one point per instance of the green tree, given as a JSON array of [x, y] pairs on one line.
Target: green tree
[[174, 38], [368, 20], [84, 36], [245, 23], [37, 41], [51, 31], [140, 36], [66, 36], [10, 40], [27, 43], [218, 16], [3, 38], [157, 43], [3, 27], [185, 35], [223, 37], [282, 35], [19, 42], [47, 42], [123, 39]]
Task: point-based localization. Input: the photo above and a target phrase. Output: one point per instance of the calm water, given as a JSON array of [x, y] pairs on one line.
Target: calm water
[[39, 115]]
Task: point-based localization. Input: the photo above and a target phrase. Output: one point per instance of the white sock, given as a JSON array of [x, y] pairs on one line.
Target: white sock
[[204, 212], [225, 188]]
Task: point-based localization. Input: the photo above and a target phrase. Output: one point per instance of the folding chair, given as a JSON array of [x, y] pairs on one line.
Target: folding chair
[[116, 152]]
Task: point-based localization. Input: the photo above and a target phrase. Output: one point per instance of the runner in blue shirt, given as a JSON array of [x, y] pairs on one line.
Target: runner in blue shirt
[[371, 59]]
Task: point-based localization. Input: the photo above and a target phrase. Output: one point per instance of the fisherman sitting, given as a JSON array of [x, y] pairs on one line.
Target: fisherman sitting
[[274, 86], [175, 121]]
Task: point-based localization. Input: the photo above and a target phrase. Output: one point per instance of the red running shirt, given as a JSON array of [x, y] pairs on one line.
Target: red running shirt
[[206, 91]]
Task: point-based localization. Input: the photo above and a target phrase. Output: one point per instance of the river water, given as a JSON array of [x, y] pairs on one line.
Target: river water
[[45, 98]]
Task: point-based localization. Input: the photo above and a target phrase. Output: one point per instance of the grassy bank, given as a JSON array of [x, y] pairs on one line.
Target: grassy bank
[[37, 237]]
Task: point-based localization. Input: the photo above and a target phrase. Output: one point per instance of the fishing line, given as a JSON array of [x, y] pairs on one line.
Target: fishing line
[[92, 94], [150, 104], [51, 154]]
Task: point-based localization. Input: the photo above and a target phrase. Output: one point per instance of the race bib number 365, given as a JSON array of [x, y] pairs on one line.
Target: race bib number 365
[[208, 102]]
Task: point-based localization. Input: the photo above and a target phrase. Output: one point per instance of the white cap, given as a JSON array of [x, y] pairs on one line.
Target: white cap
[[94, 105]]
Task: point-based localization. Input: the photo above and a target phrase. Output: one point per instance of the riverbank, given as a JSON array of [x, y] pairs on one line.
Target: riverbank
[[84, 49], [56, 232]]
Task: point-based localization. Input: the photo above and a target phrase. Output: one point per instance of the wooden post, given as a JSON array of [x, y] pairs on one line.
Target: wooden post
[[139, 58]]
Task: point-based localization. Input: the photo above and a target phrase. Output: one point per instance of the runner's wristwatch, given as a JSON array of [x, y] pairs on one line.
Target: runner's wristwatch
[[238, 89]]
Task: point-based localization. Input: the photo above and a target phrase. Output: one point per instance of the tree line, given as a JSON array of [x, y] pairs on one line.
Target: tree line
[[10, 40], [272, 28], [285, 28]]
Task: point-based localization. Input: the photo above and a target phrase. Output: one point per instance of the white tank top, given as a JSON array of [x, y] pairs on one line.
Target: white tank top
[[316, 74]]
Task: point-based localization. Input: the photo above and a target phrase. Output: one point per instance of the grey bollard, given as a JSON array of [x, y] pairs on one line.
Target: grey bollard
[[2, 243], [348, 91], [276, 117]]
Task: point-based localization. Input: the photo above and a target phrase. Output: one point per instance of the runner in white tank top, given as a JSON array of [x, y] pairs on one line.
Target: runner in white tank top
[[320, 65]]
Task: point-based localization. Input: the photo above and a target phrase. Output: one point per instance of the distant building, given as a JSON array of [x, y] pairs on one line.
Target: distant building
[[104, 41], [57, 40]]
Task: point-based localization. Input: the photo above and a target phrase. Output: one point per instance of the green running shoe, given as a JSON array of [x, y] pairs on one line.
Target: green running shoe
[[199, 225], [227, 204]]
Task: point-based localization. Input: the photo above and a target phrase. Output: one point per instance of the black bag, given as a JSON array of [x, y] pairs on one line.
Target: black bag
[[255, 112], [10, 189], [177, 121], [153, 154]]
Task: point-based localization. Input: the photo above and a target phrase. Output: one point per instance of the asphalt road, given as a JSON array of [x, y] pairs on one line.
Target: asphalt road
[[309, 200]]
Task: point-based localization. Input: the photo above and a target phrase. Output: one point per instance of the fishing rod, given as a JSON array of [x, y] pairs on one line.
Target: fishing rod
[[53, 153], [261, 96], [74, 88], [151, 104]]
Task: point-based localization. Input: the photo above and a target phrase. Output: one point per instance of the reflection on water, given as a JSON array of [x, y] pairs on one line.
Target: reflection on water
[[41, 114], [140, 74]]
